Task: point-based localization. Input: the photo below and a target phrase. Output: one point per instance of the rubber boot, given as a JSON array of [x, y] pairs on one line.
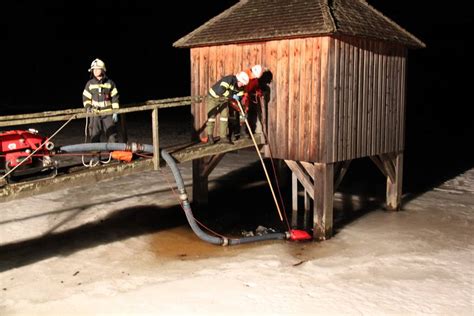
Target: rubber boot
[[223, 133], [211, 140], [243, 131], [210, 130], [227, 140]]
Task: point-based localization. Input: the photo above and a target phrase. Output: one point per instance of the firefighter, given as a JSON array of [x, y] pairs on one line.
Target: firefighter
[[226, 89], [252, 93], [100, 95]]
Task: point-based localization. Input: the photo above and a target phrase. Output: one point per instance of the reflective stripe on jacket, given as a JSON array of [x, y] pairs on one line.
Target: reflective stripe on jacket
[[102, 94], [226, 87]]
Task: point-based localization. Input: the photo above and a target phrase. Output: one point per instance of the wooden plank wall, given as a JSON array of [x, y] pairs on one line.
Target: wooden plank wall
[[369, 98], [209, 64], [332, 99]]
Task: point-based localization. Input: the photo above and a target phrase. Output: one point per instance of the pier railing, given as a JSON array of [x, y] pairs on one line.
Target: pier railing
[[79, 113]]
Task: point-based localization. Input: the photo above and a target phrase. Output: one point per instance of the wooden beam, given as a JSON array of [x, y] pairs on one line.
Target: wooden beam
[[123, 128], [75, 176], [294, 200], [200, 150], [302, 176], [379, 164], [341, 173], [200, 183], [394, 189], [213, 161], [156, 139], [64, 115], [307, 203], [323, 201], [309, 167], [388, 162]]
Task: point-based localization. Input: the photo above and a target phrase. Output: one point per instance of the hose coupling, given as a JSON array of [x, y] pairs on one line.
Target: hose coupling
[[225, 242], [182, 195], [49, 145], [134, 147]]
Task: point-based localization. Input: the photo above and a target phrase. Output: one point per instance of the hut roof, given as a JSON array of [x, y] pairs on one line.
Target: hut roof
[[262, 20]]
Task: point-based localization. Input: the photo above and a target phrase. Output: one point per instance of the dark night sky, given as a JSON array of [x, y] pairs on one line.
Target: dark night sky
[[47, 47]]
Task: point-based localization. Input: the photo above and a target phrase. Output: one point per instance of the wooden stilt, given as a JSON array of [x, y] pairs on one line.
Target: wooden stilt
[[302, 176], [294, 200], [156, 139], [123, 127], [341, 173], [323, 200], [306, 214], [211, 164], [202, 168], [394, 188], [200, 183], [378, 162]]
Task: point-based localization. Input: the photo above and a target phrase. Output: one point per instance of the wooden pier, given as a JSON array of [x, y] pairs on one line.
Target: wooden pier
[[81, 175]]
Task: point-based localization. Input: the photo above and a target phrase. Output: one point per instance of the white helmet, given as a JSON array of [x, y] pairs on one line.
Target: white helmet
[[257, 71], [97, 64], [243, 78]]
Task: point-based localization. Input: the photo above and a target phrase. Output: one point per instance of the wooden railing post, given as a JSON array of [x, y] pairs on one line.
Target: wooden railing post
[[123, 128], [156, 140]]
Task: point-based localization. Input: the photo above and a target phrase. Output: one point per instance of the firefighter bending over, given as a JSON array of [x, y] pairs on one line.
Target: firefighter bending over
[[226, 89], [101, 96]]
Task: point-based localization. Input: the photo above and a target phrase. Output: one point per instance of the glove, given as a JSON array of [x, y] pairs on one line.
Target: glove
[[115, 117], [236, 97]]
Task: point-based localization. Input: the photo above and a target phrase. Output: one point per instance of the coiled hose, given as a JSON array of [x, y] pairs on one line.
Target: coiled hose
[[134, 147]]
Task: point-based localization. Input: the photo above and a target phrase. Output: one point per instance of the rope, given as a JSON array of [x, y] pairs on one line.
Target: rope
[[261, 160], [274, 172], [91, 162], [41, 146], [276, 180], [110, 158]]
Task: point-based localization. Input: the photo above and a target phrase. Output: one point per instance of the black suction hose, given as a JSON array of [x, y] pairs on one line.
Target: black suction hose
[[133, 147], [182, 191], [189, 215]]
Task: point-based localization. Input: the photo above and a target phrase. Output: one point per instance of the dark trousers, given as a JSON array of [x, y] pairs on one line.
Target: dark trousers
[[102, 124]]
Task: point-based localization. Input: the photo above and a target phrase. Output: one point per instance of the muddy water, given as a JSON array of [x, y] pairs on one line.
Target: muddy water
[[181, 243]]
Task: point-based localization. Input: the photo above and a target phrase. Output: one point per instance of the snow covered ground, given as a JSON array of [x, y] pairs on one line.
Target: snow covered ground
[[123, 247]]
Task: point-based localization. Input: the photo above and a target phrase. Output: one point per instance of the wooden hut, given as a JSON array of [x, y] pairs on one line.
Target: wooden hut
[[338, 89]]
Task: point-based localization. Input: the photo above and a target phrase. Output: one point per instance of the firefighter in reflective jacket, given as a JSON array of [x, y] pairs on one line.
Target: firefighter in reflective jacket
[[101, 96], [250, 101], [228, 88]]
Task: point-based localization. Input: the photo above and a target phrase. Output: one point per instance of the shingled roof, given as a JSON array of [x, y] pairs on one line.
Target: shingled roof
[[262, 20]]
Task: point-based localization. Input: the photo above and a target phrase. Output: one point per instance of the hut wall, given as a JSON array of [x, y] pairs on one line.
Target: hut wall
[[332, 99], [368, 84]]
